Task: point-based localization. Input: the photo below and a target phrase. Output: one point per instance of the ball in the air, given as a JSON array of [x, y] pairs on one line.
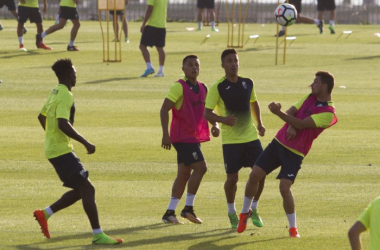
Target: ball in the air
[[285, 14]]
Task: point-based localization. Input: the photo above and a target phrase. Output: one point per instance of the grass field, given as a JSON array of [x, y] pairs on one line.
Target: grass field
[[119, 113]]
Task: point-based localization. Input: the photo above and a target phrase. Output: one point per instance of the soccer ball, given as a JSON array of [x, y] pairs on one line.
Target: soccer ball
[[285, 14]]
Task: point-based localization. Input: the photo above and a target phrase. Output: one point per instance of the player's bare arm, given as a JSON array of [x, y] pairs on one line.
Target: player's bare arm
[[164, 115], [256, 112], [42, 120], [291, 132], [45, 6], [212, 118], [354, 235], [148, 13], [308, 122], [69, 130]]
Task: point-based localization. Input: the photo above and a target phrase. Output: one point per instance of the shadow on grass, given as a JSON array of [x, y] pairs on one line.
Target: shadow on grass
[[23, 54], [364, 58], [112, 80], [210, 239]]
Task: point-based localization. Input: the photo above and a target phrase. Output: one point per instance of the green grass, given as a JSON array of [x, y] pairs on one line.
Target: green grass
[[119, 112]]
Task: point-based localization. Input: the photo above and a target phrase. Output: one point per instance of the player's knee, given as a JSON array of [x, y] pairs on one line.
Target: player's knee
[[285, 190]]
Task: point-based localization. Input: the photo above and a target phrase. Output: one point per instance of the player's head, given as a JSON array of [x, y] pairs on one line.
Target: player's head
[[326, 78], [230, 62], [65, 71], [191, 66]]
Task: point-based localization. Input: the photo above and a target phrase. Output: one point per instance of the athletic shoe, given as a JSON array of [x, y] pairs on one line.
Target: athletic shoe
[[159, 74], [40, 217], [43, 46], [243, 218], [199, 29], [22, 48], [214, 29], [256, 220], [1, 27], [38, 40], [320, 26], [188, 213], [331, 28], [293, 233], [234, 220], [25, 30], [126, 40], [280, 33], [72, 48], [104, 239], [147, 72], [170, 218]]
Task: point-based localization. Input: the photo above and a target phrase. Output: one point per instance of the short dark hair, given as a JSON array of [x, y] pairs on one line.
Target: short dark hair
[[62, 68], [326, 78], [188, 57], [228, 52]]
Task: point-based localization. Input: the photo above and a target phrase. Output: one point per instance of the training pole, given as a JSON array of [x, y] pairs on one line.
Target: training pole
[[241, 19]]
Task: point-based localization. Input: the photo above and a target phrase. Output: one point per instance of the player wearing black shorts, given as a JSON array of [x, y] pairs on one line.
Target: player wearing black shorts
[[235, 100], [328, 5], [67, 11], [29, 9], [57, 119], [12, 9], [209, 5]]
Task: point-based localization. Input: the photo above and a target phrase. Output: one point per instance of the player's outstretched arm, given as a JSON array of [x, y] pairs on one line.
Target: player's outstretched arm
[[164, 115], [69, 130], [42, 120]]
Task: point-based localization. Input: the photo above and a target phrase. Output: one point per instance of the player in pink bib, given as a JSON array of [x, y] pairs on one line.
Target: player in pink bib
[[186, 100], [305, 120]]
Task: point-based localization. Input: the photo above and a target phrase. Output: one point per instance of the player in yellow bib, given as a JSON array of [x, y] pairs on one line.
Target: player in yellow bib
[[67, 10], [57, 119]]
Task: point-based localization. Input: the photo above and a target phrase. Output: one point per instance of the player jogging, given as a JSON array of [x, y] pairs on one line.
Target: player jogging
[[57, 119]]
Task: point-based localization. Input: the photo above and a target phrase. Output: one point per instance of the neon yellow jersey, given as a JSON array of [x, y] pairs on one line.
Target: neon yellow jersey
[[59, 104], [234, 99], [370, 218], [29, 3], [68, 3], [158, 16]]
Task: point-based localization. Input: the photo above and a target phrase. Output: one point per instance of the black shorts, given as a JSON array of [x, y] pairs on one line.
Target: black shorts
[[68, 13], [206, 4], [118, 12], [297, 4], [153, 36], [237, 156], [276, 155], [326, 5], [188, 153], [70, 170], [9, 3], [33, 14]]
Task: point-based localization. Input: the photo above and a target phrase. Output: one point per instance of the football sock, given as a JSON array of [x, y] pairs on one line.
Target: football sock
[[292, 220], [199, 25], [283, 28], [173, 203], [48, 212], [71, 43], [190, 199], [213, 24], [231, 208], [97, 231], [43, 34], [246, 204], [316, 21], [254, 204], [149, 65], [161, 69], [332, 22], [20, 40]]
